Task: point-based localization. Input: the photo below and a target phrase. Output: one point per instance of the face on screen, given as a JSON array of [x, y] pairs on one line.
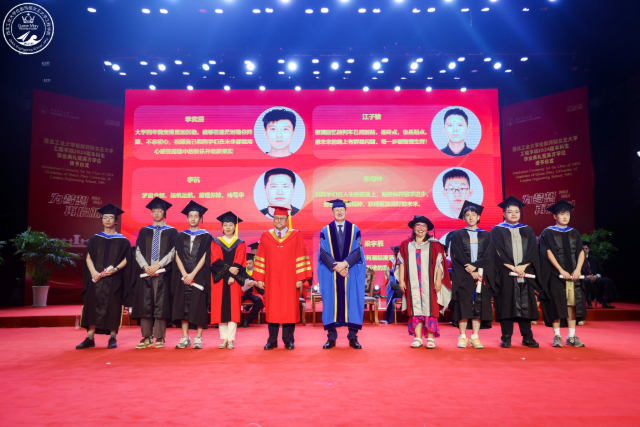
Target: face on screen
[[279, 134], [456, 128], [279, 190], [456, 191]]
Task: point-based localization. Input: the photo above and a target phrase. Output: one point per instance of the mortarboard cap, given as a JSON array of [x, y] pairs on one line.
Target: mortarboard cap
[[560, 206], [279, 210], [157, 202], [467, 204], [229, 217], [423, 219], [338, 203], [250, 257], [110, 209], [193, 206], [511, 201], [254, 246], [395, 248]]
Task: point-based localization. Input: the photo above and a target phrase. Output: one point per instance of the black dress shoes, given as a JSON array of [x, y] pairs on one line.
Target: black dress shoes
[[506, 343], [329, 344], [87, 343], [270, 346], [355, 344], [530, 342], [112, 343], [607, 305], [289, 346], [589, 304], [244, 324]]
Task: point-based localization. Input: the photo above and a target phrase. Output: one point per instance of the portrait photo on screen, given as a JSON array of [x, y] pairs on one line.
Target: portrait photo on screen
[[279, 187], [279, 131], [456, 131], [452, 187]]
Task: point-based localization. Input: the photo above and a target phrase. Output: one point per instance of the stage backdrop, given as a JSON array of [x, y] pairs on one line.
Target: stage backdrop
[[380, 150], [76, 167], [547, 157]]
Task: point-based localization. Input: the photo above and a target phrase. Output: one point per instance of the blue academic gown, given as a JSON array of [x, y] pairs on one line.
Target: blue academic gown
[[342, 298]]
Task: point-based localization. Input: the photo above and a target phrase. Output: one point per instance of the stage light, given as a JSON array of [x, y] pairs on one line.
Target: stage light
[[398, 1], [412, 71], [493, 1], [154, 73], [324, 10], [452, 65], [431, 9], [316, 72], [316, 288], [385, 59], [186, 73], [221, 73], [143, 62], [347, 72], [292, 66], [461, 59], [414, 65], [256, 10], [456, 78], [212, 62], [463, 89], [380, 72], [218, 10], [507, 71], [362, 10], [262, 88], [524, 59], [190, 87], [152, 87], [486, 9], [525, 10], [429, 89], [474, 71], [448, 1], [251, 66], [92, 10], [366, 88], [205, 67], [280, 72], [376, 11], [285, 1], [487, 59], [227, 88], [374, 78], [443, 71], [309, 11], [115, 67], [419, 60], [415, 10], [429, 78], [268, 10], [376, 292], [350, 61], [123, 74], [344, 1], [466, 9], [146, 11], [376, 65], [178, 62], [280, 61], [497, 65], [638, 153], [331, 88], [164, 11], [107, 63], [335, 65], [397, 88], [315, 61], [403, 78], [298, 88]]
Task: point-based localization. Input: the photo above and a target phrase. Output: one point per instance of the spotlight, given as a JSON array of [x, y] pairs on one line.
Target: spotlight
[[335, 65], [107, 63], [486, 9], [324, 10], [452, 65], [380, 72], [178, 62], [316, 288], [221, 73], [415, 10], [186, 73], [262, 88], [154, 73], [507, 71], [397, 88], [347, 72], [205, 67], [249, 72], [429, 89], [331, 88], [419, 60], [309, 11], [123, 74], [152, 87], [316, 72], [431, 9], [456, 78], [461, 59], [429, 78], [524, 59], [190, 87], [298, 88], [385, 59], [525, 10], [280, 72], [292, 66], [463, 89], [443, 71], [412, 71], [256, 10], [376, 11], [92, 10], [218, 10], [143, 62], [227, 88], [398, 1], [164, 11], [362, 10], [376, 292], [350, 61], [414, 65], [212, 62], [493, 1], [280, 61], [268, 10], [251, 66], [315, 61], [376, 65], [285, 1], [366, 88], [115, 67], [487, 59], [497, 65], [466, 9], [146, 11]]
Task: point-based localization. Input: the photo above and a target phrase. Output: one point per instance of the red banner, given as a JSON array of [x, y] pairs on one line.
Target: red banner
[[76, 167], [547, 157]]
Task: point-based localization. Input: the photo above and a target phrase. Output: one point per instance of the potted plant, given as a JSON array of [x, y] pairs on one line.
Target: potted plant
[[599, 244], [43, 255]]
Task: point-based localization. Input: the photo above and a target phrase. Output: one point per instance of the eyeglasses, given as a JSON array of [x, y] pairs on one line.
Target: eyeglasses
[[459, 190], [109, 217]]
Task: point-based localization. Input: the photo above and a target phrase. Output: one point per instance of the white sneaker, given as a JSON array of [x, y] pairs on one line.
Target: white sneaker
[[462, 342], [197, 343], [184, 342]]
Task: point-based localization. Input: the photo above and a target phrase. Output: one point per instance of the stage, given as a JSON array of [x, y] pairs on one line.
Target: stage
[[47, 382]]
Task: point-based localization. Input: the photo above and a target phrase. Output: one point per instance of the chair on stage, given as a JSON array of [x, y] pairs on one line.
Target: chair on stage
[[249, 304], [370, 302], [303, 306]]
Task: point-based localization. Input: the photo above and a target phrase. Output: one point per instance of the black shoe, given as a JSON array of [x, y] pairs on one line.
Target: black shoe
[[244, 324], [216, 326], [589, 304], [355, 344], [270, 346], [329, 344], [530, 342], [112, 343], [506, 343], [607, 305], [289, 346], [87, 343]]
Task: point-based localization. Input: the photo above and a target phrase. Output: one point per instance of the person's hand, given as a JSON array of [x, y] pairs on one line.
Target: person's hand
[[576, 274], [520, 270], [252, 284], [234, 270], [260, 284], [298, 284], [565, 275], [339, 266], [403, 286], [96, 276], [231, 280], [469, 268], [438, 286], [593, 278], [476, 276], [344, 273], [147, 269], [153, 270], [188, 279]]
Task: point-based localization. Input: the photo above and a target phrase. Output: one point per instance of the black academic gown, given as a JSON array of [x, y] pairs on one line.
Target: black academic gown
[[103, 299], [141, 291], [515, 300], [188, 302], [566, 247], [464, 285]]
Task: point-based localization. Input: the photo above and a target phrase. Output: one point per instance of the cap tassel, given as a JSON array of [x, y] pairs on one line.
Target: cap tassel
[[290, 228], [237, 225]]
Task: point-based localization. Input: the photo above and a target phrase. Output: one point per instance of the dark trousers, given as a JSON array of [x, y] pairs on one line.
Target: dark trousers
[[255, 309], [332, 334], [507, 328], [287, 332], [602, 290]]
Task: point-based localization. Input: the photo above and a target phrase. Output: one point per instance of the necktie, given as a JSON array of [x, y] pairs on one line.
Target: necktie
[[279, 235], [155, 246], [340, 230], [588, 267]]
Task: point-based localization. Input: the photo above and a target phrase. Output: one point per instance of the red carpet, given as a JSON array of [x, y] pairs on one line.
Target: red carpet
[[45, 381]]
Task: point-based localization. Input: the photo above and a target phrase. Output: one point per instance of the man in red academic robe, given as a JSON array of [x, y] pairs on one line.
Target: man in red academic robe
[[281, 266]]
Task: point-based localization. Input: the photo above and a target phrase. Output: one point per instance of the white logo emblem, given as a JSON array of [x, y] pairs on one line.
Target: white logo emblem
[[28, 28]]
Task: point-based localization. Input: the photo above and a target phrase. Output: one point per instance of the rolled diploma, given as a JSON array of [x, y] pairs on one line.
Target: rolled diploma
[[195, 285], [162, 270], [479, 283], [528, 276], [572, 279]]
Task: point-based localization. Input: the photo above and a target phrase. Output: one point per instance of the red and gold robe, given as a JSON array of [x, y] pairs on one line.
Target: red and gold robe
[[280, 263], [233, 255]]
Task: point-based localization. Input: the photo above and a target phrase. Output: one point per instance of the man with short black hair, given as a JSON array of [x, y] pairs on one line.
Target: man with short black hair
[[597, 287], [279, 129], [456, 189], [456, 126], [279, 187], [251, 293]]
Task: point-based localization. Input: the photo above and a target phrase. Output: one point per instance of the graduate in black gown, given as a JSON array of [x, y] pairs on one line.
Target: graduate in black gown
[[254, 248], [516, 252], [150, 296], [105, 275], [472, 250], [192, 277], [561, 254]]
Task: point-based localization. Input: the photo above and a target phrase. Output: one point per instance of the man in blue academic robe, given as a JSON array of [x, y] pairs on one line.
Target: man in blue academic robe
[[341, 272]]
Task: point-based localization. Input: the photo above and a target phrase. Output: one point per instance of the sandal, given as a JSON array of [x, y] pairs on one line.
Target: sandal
[[431, 343], [417, 343], [223, 345]]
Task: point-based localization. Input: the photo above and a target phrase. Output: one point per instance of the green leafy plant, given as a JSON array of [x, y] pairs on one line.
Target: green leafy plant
[[599, 244], [43, 254], [1, 246]]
